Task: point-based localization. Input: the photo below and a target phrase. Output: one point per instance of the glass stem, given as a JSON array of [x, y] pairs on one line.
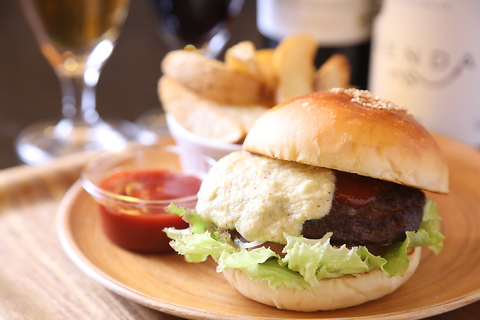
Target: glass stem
[[78, 101]]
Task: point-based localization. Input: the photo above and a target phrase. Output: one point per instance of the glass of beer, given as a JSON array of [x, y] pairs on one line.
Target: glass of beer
[[76, 37]]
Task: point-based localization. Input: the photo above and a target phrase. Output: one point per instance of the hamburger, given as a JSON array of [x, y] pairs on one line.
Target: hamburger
[[325, 206]]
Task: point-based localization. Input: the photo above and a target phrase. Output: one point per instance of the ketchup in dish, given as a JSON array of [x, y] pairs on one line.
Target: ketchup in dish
[[137, 225]]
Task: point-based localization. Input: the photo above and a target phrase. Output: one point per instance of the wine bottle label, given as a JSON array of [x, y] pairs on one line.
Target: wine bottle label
[[430, 64], [331, 22]]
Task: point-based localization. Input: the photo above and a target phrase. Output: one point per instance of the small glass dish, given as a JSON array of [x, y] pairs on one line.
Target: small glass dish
[[132, 187]]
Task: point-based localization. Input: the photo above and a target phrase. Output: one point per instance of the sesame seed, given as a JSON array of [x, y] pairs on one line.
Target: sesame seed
[[368, 99]]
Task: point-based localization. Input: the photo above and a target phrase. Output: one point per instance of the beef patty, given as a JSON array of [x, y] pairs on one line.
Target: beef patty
[[383, 221]]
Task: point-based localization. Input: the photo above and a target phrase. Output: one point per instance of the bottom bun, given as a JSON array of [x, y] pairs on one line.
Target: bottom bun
[[335, 293]]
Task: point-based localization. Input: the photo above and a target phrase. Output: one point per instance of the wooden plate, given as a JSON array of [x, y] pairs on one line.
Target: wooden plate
[[167, 283]]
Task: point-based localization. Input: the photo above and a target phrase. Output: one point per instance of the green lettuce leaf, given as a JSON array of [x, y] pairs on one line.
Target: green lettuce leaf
[[317, 259], [197, 224], [428, 234], [397, 259], [270, 270], [196, 247], [305, 261]]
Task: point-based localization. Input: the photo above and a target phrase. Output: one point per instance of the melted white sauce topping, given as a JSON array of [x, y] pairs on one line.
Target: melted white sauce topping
[[262, 197]]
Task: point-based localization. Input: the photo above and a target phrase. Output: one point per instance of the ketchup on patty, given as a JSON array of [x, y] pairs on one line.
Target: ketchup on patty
[[358, 191]]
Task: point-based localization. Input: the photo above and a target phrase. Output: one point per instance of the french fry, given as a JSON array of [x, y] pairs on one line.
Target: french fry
[[333, 73], [293, 61], [213, 80], [197, 114]]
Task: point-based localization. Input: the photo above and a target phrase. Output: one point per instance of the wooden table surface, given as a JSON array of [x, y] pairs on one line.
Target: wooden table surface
[[38, 280]]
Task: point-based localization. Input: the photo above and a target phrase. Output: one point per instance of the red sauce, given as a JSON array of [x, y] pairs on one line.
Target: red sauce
[[358, 191], [141, 230]]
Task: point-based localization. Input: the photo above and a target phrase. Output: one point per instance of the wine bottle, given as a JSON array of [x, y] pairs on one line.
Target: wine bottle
[[430, 64], [339, 26]]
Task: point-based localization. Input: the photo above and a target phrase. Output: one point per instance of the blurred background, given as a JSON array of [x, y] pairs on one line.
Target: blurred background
[[127, 87], [430, 67]]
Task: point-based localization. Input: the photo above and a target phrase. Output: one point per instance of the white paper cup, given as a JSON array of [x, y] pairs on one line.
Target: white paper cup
[[189, 141]]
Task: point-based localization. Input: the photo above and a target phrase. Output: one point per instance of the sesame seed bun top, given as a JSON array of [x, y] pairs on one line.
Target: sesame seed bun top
[[352, 131]]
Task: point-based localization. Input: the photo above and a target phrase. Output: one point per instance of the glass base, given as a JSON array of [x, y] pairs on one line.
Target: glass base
[[153, 125], [45, 141]]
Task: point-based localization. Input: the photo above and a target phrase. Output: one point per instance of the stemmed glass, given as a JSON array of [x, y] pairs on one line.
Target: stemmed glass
[[204, 24], [76, 37]]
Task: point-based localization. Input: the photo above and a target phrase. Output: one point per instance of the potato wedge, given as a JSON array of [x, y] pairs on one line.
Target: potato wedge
[[293, 61], [266, 68], [242, 57], [245, 58], [219, 127], [213, 79], [246, 115], [333, 73], [198, 115], [171, 90]]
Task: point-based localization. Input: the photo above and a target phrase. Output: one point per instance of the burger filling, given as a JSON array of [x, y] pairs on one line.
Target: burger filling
[[262, 198]]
